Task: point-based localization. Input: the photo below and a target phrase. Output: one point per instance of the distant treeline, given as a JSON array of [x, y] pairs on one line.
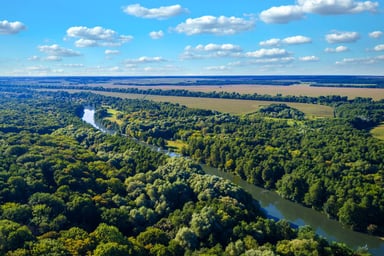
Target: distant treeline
[[349, 85], [216, 82], [322, 80], [326, 100]]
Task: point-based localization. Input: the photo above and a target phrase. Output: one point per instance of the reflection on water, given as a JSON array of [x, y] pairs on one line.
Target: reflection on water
[[279, 208], [89, 117]]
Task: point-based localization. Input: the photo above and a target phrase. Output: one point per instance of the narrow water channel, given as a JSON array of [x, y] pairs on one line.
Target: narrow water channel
[[279, 208]]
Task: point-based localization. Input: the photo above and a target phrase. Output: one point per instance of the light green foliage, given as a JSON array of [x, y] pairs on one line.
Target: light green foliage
[[13, 235], [111, 249], [187, 238], [49, 247]]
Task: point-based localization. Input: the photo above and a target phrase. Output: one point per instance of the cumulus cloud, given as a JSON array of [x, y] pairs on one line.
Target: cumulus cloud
[[268, 53], [379, 48], [56, 52], [218, 47], [287, 13], [376, 34], [282, 14], [342, 37], [309, 58], [9, 28], [163, 12], [270, 42], [211, 51], [297, 40], [215, 25], [96, 36], [272, 60], [145, 59], [332, 7], [156, 34], [340, 48]]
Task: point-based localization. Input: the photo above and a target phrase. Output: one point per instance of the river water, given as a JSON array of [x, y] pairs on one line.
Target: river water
[[279, 208]]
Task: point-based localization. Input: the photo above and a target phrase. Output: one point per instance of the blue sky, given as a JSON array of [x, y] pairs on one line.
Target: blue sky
[[211, 37]]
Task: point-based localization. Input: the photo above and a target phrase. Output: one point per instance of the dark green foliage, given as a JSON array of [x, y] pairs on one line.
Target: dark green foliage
[[67, 189], [320, 163], [282, 111], [363, 113]]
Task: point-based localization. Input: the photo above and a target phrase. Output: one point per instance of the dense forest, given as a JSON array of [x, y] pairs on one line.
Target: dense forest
[[69, 189], [332, 165]]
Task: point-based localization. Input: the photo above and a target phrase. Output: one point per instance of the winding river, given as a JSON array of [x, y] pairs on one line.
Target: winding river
[[279, 208]]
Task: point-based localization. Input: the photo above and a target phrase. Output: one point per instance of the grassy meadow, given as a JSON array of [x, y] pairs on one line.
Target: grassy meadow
[[378, 132]]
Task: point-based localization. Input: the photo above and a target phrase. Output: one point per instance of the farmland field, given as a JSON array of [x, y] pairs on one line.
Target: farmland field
[[228, 105], [294, 90]]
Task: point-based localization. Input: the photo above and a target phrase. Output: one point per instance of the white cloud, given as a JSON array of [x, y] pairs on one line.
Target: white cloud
[[359, 61], [162, 12], [8, 28], [211, 51], [268, 53], [340, 48], [287, 13], [282, 14], [379, 48], [288, 40], [55, 52], [111, 52], [145, 59], [376, 34], [332, 7], [270, 42], [96, 36], [271, 60], [309, 58], [82, 43], [215, 25], [219, 47], [342, 37], [156, 34], [297, 40]]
